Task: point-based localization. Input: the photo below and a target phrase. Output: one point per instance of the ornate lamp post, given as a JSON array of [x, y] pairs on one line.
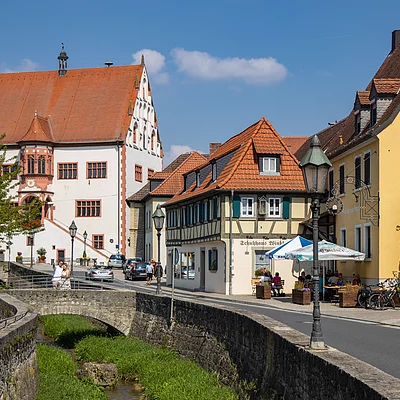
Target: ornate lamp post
[[72, 231], [315, 165], [84, 248], [158, 219]]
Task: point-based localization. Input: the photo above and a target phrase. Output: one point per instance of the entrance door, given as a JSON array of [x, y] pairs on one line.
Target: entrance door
[[60, 255], [202, 269]]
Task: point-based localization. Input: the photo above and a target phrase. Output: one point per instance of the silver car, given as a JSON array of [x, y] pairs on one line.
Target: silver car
[[99, 273], [116, 261]]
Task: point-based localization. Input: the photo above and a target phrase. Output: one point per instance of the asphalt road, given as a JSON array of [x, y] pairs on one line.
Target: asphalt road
[[370, 342]]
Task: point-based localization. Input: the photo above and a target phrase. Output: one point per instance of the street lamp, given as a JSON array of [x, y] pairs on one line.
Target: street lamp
[[84, 247], [315, 165], [158, 219], [31, 238], [9, 243], [72, 232]]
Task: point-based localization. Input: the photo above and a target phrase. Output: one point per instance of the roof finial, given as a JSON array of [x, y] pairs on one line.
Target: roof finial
[[142, 61], [35, 114], [62, 61]]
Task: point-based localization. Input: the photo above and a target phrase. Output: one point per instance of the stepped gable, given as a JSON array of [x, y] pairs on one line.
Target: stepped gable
[[242, 171], [85, 105], [39, 131]]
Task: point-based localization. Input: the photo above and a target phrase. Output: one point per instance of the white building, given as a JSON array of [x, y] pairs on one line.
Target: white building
[[86, 139]]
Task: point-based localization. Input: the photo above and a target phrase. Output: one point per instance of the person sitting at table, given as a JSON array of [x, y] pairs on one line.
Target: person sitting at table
[[340, 281], [333, 279], [302, 277], [265, 278], [307, 280], [276, 284], [356, 279]]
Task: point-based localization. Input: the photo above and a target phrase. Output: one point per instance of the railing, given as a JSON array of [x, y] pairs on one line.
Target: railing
[[11, 320], [42, 281]]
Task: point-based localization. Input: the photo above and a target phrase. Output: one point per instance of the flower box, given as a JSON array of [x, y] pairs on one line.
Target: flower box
[[263, 291], [302, 297], [348, 298]]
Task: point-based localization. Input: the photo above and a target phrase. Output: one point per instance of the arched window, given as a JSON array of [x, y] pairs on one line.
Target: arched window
[[153, 139], [144, 138], [31, 165], [41, 165], [135, 134]]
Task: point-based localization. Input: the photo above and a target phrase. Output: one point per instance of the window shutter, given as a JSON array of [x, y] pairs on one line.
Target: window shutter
[[209, 258], [278, 164], [236, 206], [286, 208]]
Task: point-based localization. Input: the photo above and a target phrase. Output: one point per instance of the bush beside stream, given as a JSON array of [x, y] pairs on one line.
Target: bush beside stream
[[163, 374]]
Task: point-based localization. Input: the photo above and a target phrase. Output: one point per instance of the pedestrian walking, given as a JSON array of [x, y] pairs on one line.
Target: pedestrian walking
[[57, 270], [149, 270]]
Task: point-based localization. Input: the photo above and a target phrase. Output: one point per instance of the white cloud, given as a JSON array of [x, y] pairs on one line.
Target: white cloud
[[155, 63], [26, 65], [174, 151], [205, 66]]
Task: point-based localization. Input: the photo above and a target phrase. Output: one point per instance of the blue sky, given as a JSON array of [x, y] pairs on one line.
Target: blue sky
[[217, 66]]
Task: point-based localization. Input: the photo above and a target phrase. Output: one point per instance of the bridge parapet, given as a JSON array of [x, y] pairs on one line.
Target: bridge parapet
[[115, 308]]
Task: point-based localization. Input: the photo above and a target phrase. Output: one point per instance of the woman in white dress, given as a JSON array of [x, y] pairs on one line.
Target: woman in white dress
[[65, 278]]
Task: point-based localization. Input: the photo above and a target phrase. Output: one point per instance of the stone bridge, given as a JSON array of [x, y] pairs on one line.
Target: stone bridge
[[243, 348], [115, 308]]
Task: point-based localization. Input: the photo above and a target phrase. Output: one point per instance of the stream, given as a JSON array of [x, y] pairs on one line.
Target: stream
[[123, 391]]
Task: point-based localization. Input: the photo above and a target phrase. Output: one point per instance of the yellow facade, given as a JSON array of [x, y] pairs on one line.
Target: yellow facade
[[362, 210]]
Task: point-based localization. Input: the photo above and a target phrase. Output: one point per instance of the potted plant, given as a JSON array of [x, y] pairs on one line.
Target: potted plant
[[84, 261], [41, 251], [260, 272], [300, 294], [348, 295], [18, 257], [263, 290]]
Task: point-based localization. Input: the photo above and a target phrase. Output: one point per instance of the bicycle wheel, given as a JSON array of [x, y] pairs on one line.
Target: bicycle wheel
[[375, 302], [362, 300]]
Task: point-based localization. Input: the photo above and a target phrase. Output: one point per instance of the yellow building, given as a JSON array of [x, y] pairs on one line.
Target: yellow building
[[364, 149]]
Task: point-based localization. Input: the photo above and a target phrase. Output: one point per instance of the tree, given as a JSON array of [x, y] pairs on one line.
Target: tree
[[15, 219]]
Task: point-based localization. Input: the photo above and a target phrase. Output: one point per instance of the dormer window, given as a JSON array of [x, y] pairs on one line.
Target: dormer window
[[269, 165], [197, 178], [214, 171], [373, 113], [357, 123]]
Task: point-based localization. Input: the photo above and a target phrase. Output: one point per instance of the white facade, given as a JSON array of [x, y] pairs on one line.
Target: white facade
[[121, 180]]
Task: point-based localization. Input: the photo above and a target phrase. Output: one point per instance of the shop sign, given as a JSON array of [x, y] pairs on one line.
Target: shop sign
[[263, 243]]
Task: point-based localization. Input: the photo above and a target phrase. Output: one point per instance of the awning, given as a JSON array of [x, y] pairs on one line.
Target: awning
[[278, 253], [326, 251]]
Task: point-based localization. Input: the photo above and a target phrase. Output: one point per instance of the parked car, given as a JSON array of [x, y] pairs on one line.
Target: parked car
[[116, 261], [136, 273], [130, 261], [100, 273]]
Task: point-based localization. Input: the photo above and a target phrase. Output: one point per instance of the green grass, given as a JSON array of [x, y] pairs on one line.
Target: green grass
[[57, 380], [163, 374]]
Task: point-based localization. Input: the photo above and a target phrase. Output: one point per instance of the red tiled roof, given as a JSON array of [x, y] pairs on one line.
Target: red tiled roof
[[294, 142], [343, 131], [174, 183], [242, 171], [85, 105], [40, 130], [386, 86], [363, 96]]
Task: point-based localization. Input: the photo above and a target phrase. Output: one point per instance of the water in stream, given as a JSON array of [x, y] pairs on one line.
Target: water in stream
[[123, 391]]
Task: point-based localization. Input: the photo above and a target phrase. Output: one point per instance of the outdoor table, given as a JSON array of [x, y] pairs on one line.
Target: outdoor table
[[335, 288]]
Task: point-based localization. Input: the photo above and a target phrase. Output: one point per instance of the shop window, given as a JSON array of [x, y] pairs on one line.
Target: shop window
[[187, 270]]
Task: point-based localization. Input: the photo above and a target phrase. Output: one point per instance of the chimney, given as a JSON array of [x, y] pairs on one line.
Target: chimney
[[395, 39], [214, 146]]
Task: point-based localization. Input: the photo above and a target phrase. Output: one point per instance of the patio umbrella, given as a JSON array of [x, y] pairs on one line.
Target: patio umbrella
[[278, 253], [326, 251]]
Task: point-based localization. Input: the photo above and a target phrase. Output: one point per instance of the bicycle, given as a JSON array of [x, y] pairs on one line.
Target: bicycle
[[366, 292], [378, 301]]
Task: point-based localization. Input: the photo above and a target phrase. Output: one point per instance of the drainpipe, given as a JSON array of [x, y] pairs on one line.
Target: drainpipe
[[230, 243], [119, 198]]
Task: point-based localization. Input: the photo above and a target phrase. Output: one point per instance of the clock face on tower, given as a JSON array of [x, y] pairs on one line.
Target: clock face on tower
[[30, 182]]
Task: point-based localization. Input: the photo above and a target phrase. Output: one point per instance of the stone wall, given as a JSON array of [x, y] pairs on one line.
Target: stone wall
[[18, 361], [248, 347]]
